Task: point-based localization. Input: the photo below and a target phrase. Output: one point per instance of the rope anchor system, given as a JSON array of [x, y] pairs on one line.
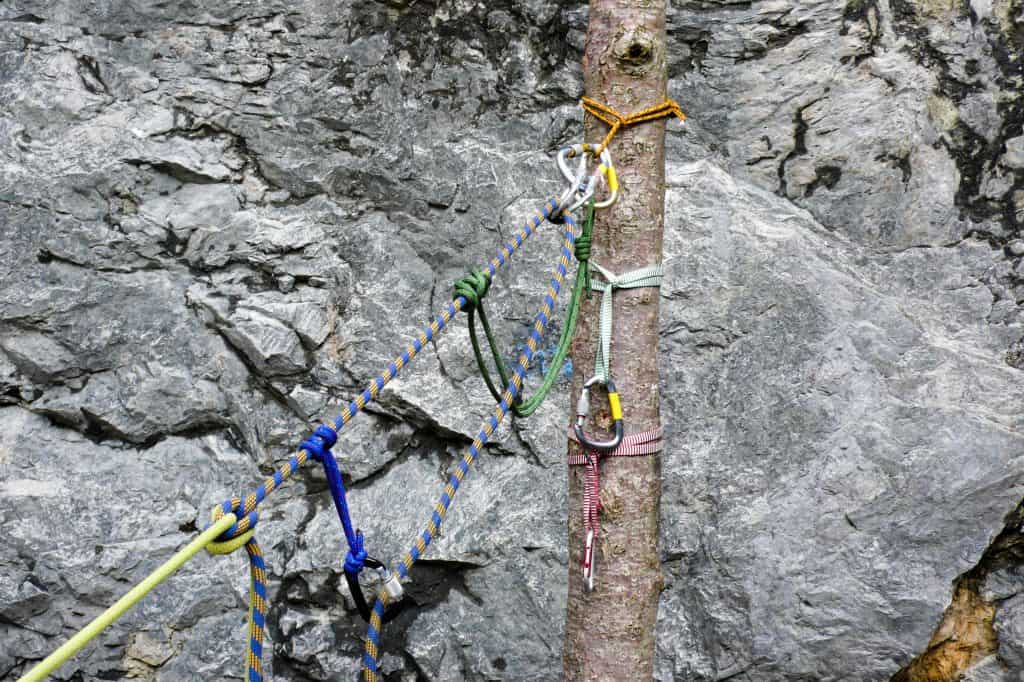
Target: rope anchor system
[[620, 445], [233, 522], [586, 185]]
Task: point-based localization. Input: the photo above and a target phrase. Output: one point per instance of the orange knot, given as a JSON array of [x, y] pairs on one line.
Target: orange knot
[[617, 121]]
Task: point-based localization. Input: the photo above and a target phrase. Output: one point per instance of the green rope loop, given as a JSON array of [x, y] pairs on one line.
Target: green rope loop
[[493, 345], [525, 408]]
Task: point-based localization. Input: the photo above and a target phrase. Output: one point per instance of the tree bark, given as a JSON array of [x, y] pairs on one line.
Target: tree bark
[[609, 632]]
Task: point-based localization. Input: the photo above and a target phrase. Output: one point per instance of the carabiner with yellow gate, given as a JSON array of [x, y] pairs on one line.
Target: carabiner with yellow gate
[[583, 411]]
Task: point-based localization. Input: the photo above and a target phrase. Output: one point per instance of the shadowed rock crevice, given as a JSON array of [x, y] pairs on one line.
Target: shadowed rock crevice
[[862, 16], [799, 146], [978, 152], [966, 634]]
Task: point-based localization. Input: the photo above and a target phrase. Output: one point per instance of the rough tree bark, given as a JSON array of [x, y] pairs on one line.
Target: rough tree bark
[[610, 631]]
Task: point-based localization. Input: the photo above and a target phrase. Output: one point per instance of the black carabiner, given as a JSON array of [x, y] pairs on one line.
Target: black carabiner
[[583, 411], [362, 606]]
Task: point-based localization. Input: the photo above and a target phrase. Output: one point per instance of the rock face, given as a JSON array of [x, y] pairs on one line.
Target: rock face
[[220, 220]]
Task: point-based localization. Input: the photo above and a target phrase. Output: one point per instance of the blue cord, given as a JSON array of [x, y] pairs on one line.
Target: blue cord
[[319, 448]]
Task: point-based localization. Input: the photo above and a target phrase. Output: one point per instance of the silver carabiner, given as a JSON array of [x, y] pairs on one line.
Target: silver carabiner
[[392, 585], [583, 411], [588, 191], [583, 189], [563, 162], [576, 182]]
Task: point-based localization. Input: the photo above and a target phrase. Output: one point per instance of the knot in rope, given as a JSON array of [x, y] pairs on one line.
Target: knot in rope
[[240, 532], [473, 287], [356, 557], [321, 442], [582, 247], [319, 448], [617, 121]]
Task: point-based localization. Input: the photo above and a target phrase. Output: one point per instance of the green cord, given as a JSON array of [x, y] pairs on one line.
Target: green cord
[[474, 288], [498, 362]]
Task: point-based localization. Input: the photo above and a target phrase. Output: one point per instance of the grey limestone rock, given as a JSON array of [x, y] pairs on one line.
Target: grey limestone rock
[[220, 220]]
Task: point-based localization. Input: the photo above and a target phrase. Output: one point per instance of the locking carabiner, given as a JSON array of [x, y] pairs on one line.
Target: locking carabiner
[[583, 411]]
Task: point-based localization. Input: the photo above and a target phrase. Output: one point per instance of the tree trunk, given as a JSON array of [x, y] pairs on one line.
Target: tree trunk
[[609, 632]]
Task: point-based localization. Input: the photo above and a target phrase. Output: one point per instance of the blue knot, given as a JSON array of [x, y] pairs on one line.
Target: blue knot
[[319, 448], [322, 440], [356, 557]]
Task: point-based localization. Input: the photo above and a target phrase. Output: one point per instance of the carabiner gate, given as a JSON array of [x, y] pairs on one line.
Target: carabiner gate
[[583, 411], [611, 178]]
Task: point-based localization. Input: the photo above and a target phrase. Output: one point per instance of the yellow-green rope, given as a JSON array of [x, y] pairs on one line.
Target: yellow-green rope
[[107, 618]]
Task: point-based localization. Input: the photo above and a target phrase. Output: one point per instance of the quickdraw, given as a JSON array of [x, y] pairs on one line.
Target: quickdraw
[[634, 445]]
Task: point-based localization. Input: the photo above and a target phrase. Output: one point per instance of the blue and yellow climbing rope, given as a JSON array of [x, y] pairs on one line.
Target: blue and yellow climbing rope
[[371, 656], [246, 512], [233, 521]]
